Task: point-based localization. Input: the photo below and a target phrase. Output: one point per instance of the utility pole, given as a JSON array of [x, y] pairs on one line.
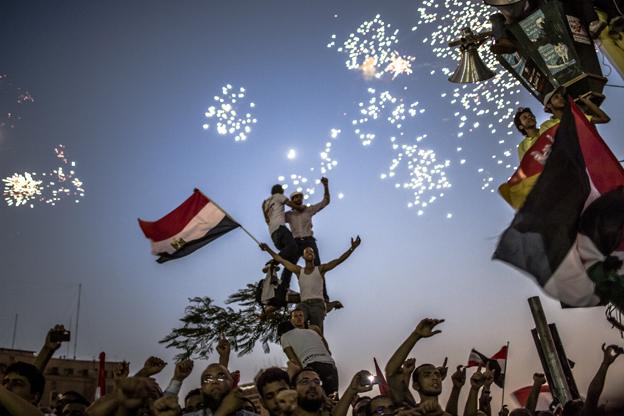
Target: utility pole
[[77, 319]]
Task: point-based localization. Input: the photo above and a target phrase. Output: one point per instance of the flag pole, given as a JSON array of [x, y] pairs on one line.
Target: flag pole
[[505, 377], [239, 224]]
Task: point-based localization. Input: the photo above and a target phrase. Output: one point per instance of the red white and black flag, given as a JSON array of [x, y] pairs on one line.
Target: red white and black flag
[[495, 363], [569, 230], [192, 225]]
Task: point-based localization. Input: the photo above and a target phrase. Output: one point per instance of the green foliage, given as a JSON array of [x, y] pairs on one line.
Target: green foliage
[[203, 323]]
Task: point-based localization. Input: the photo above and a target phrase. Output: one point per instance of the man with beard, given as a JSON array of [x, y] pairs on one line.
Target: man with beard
[[395, 371], [219, 397], [269, 383], [427, 381], [21, 389], [310, 396]]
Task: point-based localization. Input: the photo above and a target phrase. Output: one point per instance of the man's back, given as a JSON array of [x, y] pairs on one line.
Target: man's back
[[273, 208], [308, 345]]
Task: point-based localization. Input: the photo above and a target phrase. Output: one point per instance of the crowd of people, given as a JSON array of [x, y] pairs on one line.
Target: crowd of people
[[307, 386]]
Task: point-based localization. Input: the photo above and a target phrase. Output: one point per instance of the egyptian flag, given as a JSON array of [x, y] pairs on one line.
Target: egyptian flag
[[496, 363], [572, 215], [192, 225], [543, 399]]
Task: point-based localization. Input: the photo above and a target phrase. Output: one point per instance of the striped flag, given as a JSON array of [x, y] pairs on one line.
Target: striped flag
[[192, 225], [572, 219], [496, 363]]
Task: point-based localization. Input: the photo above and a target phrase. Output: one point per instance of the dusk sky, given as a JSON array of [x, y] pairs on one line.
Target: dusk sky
[[124, 87]]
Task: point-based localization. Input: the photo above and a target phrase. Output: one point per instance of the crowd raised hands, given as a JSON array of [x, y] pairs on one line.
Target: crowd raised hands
[[406, 388]]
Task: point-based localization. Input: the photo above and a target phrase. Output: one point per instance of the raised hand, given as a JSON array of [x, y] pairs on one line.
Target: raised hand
[[478, 379], [488, 377], [355, 242], [324, 181], [361, 382], [223, 347], [459, 377], [183, 369], [539, 379], [50, 343], [443, 369], [408, 366], [153, 365], [611, 353], [424, 329]]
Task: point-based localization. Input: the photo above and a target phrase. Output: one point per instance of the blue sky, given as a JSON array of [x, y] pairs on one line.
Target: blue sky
[[124, 86]]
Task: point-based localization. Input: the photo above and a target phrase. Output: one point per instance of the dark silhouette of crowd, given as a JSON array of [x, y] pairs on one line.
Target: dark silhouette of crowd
[[302, 388]]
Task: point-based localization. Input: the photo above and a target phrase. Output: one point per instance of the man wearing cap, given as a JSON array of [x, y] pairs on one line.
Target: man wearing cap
[[275, 217], [555, 103], [301, 226]]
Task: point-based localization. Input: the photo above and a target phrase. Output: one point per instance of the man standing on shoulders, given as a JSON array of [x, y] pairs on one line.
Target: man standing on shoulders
[[301, 226], [275, 217], [311, 279]]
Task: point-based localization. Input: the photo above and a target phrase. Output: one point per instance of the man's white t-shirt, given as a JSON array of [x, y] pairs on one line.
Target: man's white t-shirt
[[311, 285], [274, 208], [307, 345]]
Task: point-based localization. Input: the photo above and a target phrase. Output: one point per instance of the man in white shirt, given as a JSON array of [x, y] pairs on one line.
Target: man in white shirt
[[275, 217], [311, 279], [301, 227]]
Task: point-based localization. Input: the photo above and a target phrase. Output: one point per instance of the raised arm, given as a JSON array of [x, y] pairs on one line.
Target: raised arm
[[459, 379], [597, 384], [332, 264], [290, 266], [361, 383], [476, 382], [599, 116], [50, 346], [182, 370], [424, 329], [486, 398], [152, 366], [325, 183]]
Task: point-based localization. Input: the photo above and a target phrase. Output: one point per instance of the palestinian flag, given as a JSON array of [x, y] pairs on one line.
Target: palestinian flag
[[496, 363], [192, 225], [571, 222]]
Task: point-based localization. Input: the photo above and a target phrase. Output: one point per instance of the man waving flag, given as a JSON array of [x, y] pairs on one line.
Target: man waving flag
[[192, 225]]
